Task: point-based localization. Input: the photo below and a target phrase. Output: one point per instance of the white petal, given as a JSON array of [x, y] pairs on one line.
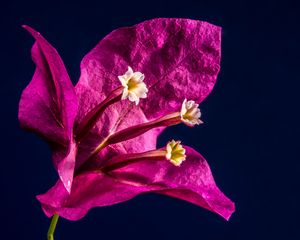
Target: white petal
[[138, 76], [123, 81], [183, 107], [132, 97], [129, 73]]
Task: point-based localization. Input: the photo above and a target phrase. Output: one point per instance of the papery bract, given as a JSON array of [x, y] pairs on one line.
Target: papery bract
[[180, 60], [48, 106], [192, 181]]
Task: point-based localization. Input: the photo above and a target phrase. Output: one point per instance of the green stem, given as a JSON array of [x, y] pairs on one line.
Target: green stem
[[52, 227]]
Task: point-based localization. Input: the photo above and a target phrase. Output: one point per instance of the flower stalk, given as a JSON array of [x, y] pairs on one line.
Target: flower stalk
[[91, 118], [50, 234], [134, 131], [126, 159]]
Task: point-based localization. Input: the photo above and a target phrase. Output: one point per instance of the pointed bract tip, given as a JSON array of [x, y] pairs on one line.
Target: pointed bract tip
[[29, 29], [26, 27], [68, 186], [229, 212], [67, 182]]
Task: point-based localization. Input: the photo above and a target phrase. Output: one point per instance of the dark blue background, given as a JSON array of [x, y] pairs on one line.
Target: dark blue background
[[250, 136]]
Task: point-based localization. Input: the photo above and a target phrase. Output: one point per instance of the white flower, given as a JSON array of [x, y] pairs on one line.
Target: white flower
[[175, 152], [134, 87], [190, 113]]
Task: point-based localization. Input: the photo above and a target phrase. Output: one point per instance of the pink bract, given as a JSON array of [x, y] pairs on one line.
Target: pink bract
[[180, 59]]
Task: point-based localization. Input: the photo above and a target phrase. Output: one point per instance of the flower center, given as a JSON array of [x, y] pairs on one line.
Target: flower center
[[132, 84]]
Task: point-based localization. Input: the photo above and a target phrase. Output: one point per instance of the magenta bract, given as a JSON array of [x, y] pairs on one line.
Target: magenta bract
[[180, 59]]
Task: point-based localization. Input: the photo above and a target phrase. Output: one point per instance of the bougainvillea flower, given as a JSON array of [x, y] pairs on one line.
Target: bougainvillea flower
[[137, 81]]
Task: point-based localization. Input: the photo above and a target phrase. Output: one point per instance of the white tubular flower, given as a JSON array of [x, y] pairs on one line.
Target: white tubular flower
[[134, 87], [175, 152], [190, 113]]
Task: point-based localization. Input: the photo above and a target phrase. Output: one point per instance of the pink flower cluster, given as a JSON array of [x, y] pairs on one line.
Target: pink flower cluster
[[103, 130]]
